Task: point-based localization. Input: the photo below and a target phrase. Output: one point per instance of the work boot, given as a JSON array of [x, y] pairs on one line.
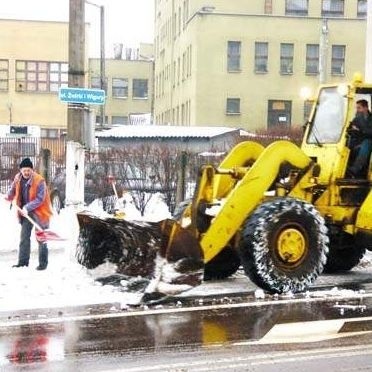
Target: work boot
[[20, 265], [40, 267]]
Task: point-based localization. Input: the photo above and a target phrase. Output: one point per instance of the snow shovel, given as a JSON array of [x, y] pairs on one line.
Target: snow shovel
[[42, 235], [117, 213]]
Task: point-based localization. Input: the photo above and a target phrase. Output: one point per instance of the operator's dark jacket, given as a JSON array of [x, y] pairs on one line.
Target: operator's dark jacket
[[364, 124]]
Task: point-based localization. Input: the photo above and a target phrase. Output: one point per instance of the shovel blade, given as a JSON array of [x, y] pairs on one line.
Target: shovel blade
[[43, 236]]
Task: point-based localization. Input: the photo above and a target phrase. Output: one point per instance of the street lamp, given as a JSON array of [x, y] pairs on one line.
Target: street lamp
[[324, 47], [206, 9], [102, 57]]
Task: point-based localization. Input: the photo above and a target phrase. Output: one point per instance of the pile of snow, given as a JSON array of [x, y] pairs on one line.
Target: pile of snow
[[156, 209]]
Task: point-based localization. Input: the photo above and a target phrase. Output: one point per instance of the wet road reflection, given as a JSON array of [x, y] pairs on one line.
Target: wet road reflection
[[30, 343]]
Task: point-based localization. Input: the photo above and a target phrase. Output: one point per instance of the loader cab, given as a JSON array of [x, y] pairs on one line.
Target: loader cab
[[326, 135]]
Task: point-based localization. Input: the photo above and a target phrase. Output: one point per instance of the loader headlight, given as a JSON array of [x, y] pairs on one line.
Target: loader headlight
[[343, 89]]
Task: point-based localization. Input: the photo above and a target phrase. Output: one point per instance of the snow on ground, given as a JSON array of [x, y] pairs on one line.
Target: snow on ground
[[65, 282]]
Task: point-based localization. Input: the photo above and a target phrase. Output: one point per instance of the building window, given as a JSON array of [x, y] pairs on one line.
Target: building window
[[120, 88], [49, 133], [58, 75], [95, 83], [286, 58], [297, 7], [185, 12], [233, 106], [308, 106], [178, 70], [140, 88], [179, 20], [261, 57], [120, 120], [362, 8], [233, 56], [338, 59], [333, 8], [37, 76], [174, 74], [190, 60], [4, 74], [312, 59], [98, 119], [268, 7], [184, 66], [279, 113]]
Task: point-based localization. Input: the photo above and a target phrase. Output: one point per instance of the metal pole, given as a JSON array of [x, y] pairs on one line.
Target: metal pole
[[323, 57], [102, 62], [368, 72], [45, 165], [76, 112], [76, 73]]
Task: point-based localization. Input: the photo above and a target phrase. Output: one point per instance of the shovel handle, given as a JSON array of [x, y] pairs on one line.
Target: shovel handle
[[29, 218], [115, 191]]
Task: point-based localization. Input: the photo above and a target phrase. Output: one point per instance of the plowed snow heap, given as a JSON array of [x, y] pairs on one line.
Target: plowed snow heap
[[141, 249]]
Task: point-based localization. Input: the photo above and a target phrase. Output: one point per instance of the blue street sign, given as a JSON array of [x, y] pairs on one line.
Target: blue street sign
[[82, 95]]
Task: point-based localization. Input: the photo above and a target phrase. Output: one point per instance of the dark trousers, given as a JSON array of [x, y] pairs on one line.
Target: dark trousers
[[25, 246], [362, 153]]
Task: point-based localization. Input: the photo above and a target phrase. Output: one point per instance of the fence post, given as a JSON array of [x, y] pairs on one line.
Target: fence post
[[181, 179], [45, 165]]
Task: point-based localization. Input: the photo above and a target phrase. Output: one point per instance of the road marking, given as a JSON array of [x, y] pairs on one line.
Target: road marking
[[314, 357], [268, 358], [57, 320], [311, 331]]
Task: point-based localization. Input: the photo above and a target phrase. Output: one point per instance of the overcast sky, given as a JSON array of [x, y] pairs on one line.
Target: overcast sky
[[127, 21]]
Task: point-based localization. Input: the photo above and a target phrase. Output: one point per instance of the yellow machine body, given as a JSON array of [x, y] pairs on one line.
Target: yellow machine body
[[245, 177]]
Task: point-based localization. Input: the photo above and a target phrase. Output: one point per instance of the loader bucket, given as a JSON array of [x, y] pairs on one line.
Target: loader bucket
[[163, 252]]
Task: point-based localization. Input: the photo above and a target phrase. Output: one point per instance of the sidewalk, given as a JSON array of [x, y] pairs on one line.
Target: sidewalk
[[63, 283]]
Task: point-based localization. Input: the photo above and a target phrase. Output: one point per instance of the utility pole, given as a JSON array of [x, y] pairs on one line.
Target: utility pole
[[369, 43], [102, 62], [323, 57], [77, 112]]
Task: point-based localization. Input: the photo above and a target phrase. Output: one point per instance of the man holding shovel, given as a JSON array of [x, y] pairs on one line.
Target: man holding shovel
[[31, 195]]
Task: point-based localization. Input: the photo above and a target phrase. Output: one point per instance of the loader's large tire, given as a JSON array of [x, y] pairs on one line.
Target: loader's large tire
[[225, 264], [284, 245], [344, 253]]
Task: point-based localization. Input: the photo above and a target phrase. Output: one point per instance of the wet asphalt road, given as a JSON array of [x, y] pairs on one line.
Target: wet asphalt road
[[304, 333]]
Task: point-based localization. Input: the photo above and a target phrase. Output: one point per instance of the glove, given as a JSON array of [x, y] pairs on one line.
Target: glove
[[24, 211]]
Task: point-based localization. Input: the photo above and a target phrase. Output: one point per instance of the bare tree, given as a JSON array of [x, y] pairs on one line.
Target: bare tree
[[136, 172]]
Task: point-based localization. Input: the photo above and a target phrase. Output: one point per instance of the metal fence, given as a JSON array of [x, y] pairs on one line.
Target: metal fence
[[144, 170], [14, 149]]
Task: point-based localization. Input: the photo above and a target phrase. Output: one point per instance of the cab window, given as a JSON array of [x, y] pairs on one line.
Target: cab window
[[328, 120]]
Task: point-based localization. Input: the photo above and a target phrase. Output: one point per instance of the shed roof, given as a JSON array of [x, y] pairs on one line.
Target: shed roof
[[165, 131]]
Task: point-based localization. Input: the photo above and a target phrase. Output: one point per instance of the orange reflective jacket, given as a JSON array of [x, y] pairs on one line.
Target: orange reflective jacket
[[44, 210]]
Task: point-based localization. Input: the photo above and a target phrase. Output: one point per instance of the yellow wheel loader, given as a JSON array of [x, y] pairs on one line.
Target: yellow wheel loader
[[284, 213]]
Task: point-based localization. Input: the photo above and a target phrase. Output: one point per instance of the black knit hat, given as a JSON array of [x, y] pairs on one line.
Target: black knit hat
[[26, 163]]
